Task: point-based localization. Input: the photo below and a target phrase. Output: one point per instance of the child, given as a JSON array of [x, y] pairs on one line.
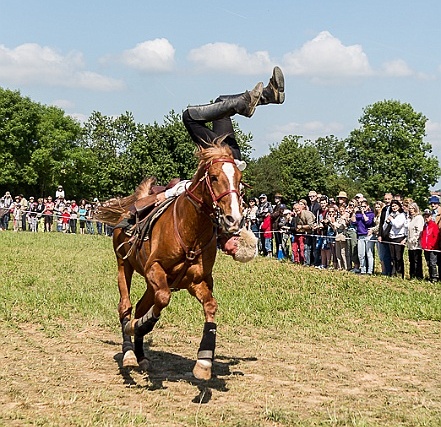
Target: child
[[267, 235], [65, 218]]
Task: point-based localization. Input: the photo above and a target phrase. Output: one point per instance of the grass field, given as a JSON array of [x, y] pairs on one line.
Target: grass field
[[296, 346]]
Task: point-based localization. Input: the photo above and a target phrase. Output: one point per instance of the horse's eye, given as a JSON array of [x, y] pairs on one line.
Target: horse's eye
[[213, 178]]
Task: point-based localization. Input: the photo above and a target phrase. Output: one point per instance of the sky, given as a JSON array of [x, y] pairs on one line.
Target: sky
[[150, 58]]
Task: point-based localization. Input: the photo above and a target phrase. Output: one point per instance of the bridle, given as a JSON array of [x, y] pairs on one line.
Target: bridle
[[214, 208], [212, 212]]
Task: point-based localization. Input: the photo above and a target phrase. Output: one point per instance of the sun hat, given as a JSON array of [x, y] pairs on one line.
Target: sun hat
[[427, 212], [342, 195]]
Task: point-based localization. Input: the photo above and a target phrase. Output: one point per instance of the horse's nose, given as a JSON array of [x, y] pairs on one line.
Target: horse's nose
[[231, 223]]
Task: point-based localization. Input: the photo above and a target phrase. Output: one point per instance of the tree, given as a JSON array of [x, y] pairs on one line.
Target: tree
[[388, 153], [291, 168], [36, 142]]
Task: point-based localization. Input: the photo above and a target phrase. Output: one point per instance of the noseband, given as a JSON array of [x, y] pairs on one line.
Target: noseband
[[209, 210]]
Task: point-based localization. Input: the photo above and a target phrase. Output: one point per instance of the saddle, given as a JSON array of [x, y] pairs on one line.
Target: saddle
[[143, 215]]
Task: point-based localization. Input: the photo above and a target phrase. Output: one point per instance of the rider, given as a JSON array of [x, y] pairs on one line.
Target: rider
[[220, 112]]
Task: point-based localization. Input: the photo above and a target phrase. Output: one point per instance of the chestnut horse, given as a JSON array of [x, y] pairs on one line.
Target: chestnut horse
[[179, 253]]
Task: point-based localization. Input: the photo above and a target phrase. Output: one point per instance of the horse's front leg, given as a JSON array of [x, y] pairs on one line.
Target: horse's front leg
[[154, 300], [203, 292]]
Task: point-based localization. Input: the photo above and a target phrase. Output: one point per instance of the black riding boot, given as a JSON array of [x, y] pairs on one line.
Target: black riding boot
[[243, 104], [274, 92]]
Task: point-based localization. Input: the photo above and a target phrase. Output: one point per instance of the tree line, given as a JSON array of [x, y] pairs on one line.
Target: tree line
[[41, 147]]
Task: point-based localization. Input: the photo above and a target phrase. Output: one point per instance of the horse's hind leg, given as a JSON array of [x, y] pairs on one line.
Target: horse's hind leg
[[125, 273]]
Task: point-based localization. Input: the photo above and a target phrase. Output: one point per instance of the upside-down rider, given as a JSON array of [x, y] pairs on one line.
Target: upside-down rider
[[219, 113]]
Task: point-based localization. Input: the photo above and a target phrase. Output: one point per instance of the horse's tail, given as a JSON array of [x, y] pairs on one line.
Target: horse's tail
[[113, 211]]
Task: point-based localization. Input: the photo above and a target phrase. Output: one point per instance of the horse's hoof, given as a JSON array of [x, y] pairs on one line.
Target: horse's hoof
[[129, 360], [144, 365], [202, 370], [129, 329]]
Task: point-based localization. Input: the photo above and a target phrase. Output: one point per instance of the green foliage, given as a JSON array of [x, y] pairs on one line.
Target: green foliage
[[291, 168], [388, 152], [41, 147], [36, 142]]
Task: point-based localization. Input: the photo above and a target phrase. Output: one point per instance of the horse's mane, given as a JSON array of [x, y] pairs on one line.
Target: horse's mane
[[214, 150], [115, 210]]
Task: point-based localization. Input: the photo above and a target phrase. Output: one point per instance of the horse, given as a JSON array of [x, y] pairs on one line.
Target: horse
[[179, 252]]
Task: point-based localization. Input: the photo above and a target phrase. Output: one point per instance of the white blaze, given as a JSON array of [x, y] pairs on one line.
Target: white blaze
[[229, 169]]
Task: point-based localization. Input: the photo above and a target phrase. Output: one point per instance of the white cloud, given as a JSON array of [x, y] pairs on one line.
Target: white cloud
[[150, 56], [433, 132], [63, 103], [326, 57], [231, 58], [31, 63], [308, 130], [397, 68]]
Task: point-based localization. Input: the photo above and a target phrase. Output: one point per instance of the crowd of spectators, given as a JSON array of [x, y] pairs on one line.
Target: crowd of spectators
[[343, 234], [47, 214], [322, 232]]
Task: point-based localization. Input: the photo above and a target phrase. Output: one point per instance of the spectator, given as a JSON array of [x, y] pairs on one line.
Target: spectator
[[7, 204], [342, 197], [414, 230], [16, 214], [339, 224], [49, 207], [59, 193], [328, 247], [375, 230], [397, 237], [285, 232], [65, 218], [32, 215], [314, 205], [436, 216], [40, 209], [82, 212], [24, 212], [263, 209], [267, 235], [304, 226], [383, 248], [351, 239], [429, 243], [319, 231], [89, 217], [73, 217], [364, 218], [277, 218]]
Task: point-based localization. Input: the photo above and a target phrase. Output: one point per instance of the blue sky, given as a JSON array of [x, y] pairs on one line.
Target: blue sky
[[152, 57]]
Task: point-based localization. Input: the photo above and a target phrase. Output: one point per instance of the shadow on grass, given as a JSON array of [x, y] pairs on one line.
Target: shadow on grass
[[164, 366]]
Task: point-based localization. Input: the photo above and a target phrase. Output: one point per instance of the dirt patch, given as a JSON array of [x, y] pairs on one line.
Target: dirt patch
[[75, 379]]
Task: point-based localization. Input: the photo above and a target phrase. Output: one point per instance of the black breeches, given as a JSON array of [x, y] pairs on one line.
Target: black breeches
[[202, 135]]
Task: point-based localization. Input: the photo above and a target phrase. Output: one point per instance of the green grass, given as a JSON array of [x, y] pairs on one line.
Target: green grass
[[48, 277], [58, 286]]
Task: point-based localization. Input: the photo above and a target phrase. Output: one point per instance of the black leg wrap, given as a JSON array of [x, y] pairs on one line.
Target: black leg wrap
[[127, 339], [208, 342], [145, 324], [139, 348]]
